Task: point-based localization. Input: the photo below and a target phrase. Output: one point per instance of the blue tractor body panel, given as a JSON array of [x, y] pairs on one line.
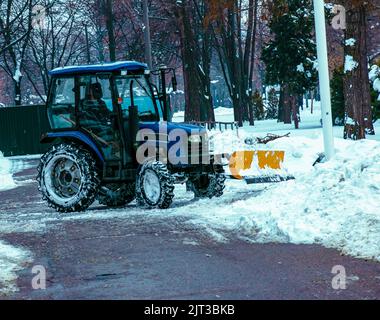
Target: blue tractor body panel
[[188, 128], [154, 126], [77, 135]]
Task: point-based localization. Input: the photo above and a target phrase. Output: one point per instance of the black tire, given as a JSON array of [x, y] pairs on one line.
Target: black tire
[[57, 182], [155, 186], [117, 195], [207, 186]]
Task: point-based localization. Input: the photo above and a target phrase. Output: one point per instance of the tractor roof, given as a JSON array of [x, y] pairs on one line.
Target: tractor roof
[[96, 68]]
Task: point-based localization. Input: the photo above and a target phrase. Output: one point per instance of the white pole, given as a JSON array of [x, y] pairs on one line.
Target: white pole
[[324, 77]]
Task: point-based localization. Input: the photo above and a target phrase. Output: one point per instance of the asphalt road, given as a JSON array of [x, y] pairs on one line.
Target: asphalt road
[[145, 257]]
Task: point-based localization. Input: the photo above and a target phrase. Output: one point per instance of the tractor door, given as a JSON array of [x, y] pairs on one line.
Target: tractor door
[[135, 91], [142, 96], [97, 117]]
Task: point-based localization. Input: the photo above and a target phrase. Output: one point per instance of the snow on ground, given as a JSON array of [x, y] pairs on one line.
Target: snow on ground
[[336, 204], [11, 260], [6, 180]]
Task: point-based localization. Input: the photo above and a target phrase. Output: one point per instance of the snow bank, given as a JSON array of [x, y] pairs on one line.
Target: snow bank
[[12, 260], [6, 181], [220, 113], [336, 204]]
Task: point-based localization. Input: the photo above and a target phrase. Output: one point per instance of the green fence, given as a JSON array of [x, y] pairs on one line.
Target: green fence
[[21, 129]]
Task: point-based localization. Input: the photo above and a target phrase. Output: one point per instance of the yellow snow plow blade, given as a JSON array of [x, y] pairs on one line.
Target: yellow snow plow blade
[[267, 162]]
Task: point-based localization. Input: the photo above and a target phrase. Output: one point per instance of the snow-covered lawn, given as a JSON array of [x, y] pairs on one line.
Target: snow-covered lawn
[[336, 204]]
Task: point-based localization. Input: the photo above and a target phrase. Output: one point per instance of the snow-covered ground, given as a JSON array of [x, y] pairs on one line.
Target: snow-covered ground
[[11, 258], [6, 181], [336, 204]]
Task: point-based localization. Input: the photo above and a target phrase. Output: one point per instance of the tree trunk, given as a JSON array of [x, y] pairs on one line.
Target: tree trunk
[[281, 105], [287, 104], [295, 110], [252, 64], [17, 85], [356, 80], [110, 30], [300, 102], [196, 68]]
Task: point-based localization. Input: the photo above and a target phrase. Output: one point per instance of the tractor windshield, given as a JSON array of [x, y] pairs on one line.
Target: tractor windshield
[[62, 112], [143, 98]]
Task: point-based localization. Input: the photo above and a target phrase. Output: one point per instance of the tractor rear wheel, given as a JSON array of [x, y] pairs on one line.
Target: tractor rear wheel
[[155, 186], [207, 186], [117, 195], [68, 178]]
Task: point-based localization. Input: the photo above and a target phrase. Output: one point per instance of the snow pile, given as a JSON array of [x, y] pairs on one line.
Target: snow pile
[[374, 77], [374, 72], [350, 42], [221, 111], [336, 204], [350, 64], [221, 114], [226, 142], [6, 180], [12, 260]]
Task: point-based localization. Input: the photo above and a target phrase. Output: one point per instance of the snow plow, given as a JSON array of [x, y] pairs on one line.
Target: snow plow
[[256, 167], [113, 141]]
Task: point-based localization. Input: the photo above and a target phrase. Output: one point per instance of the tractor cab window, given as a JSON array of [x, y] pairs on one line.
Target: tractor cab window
[[62, 113], [96, 113], [143, 99]]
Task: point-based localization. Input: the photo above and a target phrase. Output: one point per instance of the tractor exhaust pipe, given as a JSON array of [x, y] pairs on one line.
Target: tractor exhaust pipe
[[163, 71]]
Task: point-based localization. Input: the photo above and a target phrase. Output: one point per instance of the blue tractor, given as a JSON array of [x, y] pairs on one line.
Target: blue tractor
[[96, 113]]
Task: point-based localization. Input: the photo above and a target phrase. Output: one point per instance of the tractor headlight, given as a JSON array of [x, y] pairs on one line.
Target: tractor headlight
[[195, 139]]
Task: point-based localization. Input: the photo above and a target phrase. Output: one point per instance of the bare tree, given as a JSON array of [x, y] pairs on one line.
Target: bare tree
[[235, 44], [15, 28], [60, 41]]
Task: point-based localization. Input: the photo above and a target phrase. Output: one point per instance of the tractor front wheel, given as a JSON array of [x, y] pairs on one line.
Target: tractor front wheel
[[68, 178], [155, 186]]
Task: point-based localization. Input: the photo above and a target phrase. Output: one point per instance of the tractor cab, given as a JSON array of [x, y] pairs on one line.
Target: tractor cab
[[96, 101]]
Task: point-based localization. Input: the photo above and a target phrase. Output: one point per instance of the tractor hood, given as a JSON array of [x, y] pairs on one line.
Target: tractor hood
[[189, 128]]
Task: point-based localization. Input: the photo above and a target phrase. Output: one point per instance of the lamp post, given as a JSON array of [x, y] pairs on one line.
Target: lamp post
[[324, 77]]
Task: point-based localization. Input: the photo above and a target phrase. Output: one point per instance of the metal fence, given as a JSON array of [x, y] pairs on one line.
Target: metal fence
[[21, 129]]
